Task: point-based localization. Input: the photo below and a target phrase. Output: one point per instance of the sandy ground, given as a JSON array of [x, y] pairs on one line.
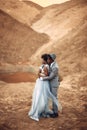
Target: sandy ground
[[15, 102]]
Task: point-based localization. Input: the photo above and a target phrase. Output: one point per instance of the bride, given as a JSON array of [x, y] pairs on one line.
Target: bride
[[41, 94]]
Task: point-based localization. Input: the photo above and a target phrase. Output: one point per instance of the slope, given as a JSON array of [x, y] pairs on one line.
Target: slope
[[17, 41], [24, 12]]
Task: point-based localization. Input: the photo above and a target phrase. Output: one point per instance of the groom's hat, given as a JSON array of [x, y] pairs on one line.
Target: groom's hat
[[53, 56]]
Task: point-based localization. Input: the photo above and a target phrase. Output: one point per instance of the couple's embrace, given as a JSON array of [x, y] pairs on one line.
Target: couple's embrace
[[45, 89]]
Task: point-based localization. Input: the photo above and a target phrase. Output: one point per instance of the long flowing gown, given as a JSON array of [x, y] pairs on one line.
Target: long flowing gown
[[41, 96]]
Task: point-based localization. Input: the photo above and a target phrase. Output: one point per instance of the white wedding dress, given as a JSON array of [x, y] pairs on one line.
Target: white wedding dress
[[41, 96]]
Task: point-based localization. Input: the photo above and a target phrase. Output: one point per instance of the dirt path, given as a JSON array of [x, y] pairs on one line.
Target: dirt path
[[18, 77], [15, 102]]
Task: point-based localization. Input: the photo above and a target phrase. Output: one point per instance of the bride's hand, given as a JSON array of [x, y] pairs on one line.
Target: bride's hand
[[42, 75]]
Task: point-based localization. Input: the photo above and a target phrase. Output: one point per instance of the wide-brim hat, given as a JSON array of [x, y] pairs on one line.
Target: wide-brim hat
[[53, 56]]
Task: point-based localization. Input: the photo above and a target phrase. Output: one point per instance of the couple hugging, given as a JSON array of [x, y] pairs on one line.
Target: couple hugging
[[45, 89]]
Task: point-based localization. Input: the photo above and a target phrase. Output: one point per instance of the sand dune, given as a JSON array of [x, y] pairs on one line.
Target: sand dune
[[66, 24], [17, 41], [24, 12], [58, 20], [34, 5]]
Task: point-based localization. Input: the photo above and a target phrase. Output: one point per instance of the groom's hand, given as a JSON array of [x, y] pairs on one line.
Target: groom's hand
[[39, 75]]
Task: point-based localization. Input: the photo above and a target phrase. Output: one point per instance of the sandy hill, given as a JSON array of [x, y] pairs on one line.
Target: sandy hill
[[58, 20], [66, 24], [17, 41], [33, 4], [23, 11]]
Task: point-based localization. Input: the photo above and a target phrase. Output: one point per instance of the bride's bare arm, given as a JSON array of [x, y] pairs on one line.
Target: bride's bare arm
[[46, 71], [39, 72]]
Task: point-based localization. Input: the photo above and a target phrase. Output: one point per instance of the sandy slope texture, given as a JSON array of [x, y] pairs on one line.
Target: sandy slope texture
[[15, 102], [17, 41], [24, 12], [66, 24], [58, 20]]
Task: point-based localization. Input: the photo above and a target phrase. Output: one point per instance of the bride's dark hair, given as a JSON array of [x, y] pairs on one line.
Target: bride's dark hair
[[45, 57]]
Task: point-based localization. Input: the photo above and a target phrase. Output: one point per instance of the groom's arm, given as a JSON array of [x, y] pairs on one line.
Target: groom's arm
[[52, 74]]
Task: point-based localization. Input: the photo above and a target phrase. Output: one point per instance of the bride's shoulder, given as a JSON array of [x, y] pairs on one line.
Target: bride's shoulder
[[47, 66], [44, 65], [41, 67]]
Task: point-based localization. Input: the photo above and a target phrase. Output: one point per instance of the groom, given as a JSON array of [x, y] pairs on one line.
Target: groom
[[54, 83]]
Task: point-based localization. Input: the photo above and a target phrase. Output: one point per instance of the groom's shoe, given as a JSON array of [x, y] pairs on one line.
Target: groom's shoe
[[54, 115], [45, 115]]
